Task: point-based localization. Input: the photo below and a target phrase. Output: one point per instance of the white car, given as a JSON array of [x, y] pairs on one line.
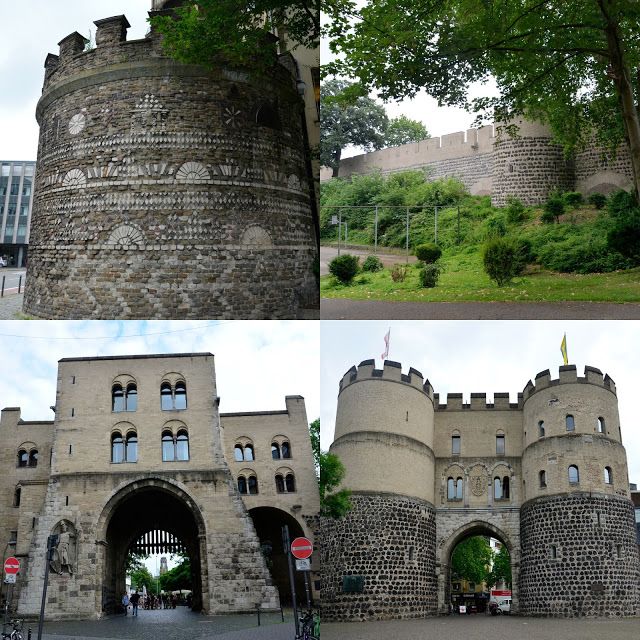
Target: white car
[[504, 606], [3, 262]]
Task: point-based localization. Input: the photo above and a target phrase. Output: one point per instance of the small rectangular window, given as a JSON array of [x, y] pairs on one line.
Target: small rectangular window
[[500, 445], [73, 412], [70, 449], [554, 551], [66, 501], [73, 379], [619, 551], [455, 445]]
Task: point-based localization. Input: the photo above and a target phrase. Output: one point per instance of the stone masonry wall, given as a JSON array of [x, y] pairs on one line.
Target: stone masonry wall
[[596, 569], [390, 541]]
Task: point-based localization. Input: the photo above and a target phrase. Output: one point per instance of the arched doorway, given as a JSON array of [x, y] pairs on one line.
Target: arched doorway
[[469, 530], [162, 514], [268, 522]]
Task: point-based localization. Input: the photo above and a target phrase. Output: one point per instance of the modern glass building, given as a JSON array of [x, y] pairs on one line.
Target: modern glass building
[[16, 198]]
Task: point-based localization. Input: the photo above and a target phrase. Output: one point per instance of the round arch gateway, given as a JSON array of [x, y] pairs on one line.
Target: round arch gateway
[[450, 542], [141, 507]]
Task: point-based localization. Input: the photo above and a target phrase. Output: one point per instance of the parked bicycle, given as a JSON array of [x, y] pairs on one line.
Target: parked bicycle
[[16, 633], [309, 626]]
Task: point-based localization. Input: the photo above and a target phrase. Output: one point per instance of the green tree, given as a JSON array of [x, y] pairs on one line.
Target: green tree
[[177, 578], [471, 560], [142, 577], [403, 130], [333, 504], [501, 569], [210, 31], [135, 561], [348, 117], [570, 64]]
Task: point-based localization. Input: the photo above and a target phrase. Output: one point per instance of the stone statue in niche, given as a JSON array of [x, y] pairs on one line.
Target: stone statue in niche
[[64, 551]]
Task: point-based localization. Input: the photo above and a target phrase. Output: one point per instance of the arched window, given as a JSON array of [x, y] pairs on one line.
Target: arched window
[[238, 453], [570, 422], [242, 484], [500, 444], [168, 450], [608, 475], [541, 429], [455, 445], [253, 485], [601, 425], [33, 458], [117, 398], [279, 483], [131, 401], [574, 475], [497, 488], [275, 451], [23, 458], [505, 487], [131, 447], [182, 445], [117, 447], [248, 453], [290, 483], [166, 399], [451, 489], [286, 450], [459, 489], [542, 476], [180, 401], [16, 496]]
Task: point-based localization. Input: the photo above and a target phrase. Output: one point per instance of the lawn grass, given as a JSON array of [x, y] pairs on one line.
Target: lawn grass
[[463, 279]]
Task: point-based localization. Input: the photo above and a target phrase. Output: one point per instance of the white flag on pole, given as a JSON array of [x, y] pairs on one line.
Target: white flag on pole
[[385, 355]]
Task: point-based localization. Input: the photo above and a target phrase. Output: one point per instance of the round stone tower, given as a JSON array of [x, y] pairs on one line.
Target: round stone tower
[[165, 190], [529, 166], [379, 560], [579, 552]]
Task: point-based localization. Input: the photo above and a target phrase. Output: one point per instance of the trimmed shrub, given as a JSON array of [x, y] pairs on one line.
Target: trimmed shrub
[[372, 263], [624, 235], [620, 203], [428, 252], [429, 274], [572, 198], [553, 209], [515, 210], [495, 226], [502, 260], [399, 272], [344, 267], [598, 200]]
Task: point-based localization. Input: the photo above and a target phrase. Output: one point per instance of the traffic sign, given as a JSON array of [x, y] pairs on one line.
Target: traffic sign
[[303, 565], [12, 565], [9, 578], [301, 548]]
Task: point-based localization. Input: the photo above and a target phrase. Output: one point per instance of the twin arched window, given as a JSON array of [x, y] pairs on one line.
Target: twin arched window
[[501, 488], [244, 452], [28, 458], [285, 483], [175, 447], [124, 449], [248, 485], [173, 397], [280, 450], [124, 399], [454, 489]]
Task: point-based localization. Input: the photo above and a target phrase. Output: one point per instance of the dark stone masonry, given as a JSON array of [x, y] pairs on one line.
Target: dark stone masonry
[[166, 191], [579, 557], [389, 541]]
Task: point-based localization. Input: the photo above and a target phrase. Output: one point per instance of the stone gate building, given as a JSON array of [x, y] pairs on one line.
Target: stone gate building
[[139, 458], [547, 476], [164, 190]]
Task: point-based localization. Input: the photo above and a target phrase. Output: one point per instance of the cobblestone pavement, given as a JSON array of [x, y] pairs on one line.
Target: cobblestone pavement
[[481, 627], [172, 624], [11, 306]]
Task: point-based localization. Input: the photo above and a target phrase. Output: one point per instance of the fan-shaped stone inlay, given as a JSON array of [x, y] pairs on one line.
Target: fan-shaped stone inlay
[[192, 172], [256, 236], [294, 182], [77, 124], [125, 235], [74, 178]]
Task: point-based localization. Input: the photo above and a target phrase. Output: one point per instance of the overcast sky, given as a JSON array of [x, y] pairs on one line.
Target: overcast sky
[[29, 30], [488, 356]]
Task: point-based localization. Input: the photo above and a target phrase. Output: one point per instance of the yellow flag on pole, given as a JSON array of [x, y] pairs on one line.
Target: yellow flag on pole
[[563, 349]]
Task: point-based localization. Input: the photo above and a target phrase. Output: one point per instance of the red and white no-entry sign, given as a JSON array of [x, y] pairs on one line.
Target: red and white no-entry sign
[[11, 565], [301, 548]]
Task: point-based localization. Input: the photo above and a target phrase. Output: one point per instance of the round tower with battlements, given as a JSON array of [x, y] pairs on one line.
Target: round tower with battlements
[[165, 190], [379, 560], [579, 552]]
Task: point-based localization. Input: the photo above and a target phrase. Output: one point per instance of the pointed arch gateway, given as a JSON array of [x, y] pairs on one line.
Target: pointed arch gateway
[[160, 512]]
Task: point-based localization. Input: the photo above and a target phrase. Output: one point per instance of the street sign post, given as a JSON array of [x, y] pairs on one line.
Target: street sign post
[[10, 578], [11, 565], [303, 565], [301, 548]]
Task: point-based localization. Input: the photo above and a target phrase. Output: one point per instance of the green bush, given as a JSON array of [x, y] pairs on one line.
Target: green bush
[[515, 210], [620, 203], [502, 260], [624, 236], [572, 198], [372, 263], [344, 267], [428, 252], [399, 272], [429, 274], [495, 226], [598, 200], [553, 209]]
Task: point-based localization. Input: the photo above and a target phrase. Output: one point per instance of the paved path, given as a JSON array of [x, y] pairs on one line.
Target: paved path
[[482, 627], [170, 624], [11, 306], [341, 309]]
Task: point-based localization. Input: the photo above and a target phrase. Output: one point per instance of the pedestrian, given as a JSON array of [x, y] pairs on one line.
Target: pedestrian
[[135, 598], [125, 603]]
